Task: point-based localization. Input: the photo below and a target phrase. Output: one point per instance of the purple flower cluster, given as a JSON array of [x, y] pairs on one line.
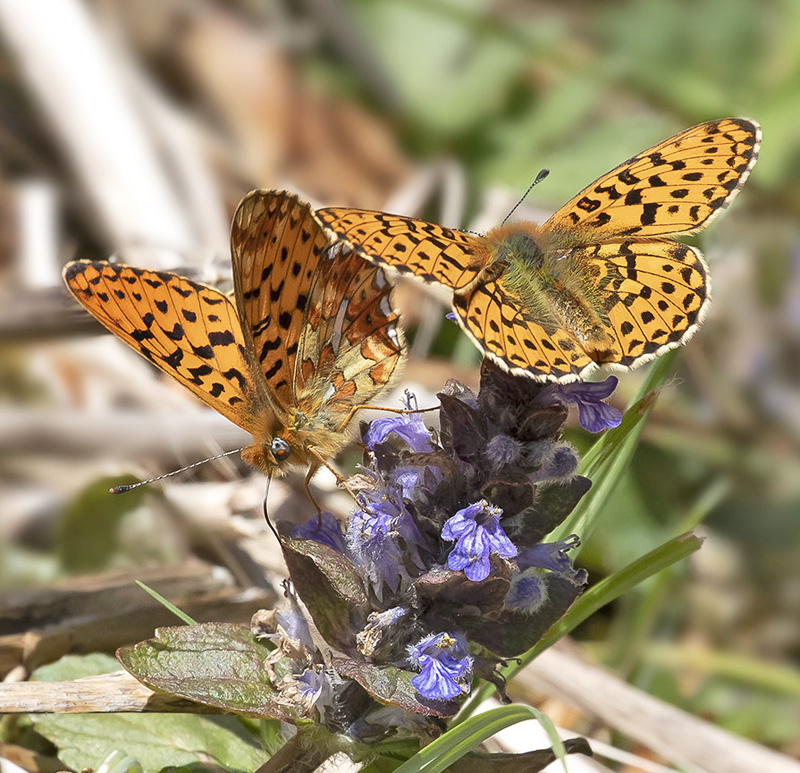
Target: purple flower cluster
[[442, 571]]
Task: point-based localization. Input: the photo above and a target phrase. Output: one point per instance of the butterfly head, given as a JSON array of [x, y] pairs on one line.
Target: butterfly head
[[274, 455]]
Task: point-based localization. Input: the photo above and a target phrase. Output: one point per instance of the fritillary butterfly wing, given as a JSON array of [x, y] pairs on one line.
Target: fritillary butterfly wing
[[276, 246], [658, 294], [429, 252], [494, 320], [676, 187], [352, 346], [312, 336], [188, 330], [320, 320]]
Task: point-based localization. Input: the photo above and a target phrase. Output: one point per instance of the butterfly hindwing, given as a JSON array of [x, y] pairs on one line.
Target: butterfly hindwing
[[676, 187], [352, 344], [656, 295], [188, 330], [277, 245], [495, 320], [648, 297]]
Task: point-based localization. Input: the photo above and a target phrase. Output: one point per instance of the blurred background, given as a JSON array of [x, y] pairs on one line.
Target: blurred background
[[134, 129]]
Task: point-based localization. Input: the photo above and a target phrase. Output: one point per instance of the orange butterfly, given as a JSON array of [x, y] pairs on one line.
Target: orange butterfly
[[310, 337], [597, 283]]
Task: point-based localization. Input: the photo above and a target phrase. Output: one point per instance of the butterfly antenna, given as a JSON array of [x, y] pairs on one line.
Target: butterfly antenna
[[265, 508], [539, 178], [130, 487]]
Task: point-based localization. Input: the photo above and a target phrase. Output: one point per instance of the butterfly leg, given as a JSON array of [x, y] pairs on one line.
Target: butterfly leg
[[339, 479]]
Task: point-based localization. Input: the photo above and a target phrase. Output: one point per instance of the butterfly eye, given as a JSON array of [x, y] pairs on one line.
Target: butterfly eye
[[280, 449]]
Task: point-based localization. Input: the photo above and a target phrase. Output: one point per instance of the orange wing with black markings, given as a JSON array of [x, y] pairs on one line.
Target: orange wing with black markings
[[493, 320], [188, 330], [429, 252], [277, 244], [676, 187], [311, 337], [353, 345]]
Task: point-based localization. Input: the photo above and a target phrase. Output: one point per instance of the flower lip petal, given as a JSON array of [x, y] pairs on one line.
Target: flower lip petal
[[323, 528], [593, 414], [434, 682], [409, 427], [445, 666]]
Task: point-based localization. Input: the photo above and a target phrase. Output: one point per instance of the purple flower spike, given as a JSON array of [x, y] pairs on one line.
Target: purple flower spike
[[446, 667], [409, 427], [593, 414], [478, 533]]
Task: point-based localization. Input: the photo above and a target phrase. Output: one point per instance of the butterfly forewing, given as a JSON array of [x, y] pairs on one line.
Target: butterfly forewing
[[352, 344], [675, 187], [188, 330], [277, 244], [429, 252]]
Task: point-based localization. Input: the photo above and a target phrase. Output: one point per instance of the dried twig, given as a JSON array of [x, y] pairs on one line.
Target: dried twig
[[677, 736]]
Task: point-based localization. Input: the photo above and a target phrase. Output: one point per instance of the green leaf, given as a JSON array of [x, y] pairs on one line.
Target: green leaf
[[463, 737], [153, 741], [156, 741], [216, 664], [75, 667]]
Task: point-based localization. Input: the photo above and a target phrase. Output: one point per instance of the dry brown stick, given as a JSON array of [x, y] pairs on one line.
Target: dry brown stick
[[74, 74], [107, 693], [103, 612], [679, 737]]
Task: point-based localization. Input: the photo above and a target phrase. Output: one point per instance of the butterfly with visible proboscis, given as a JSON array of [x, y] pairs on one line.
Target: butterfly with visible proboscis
[[309, 337]]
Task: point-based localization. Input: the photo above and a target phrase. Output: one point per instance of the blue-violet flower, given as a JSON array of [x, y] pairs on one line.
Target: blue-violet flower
[[593, 414], [478, 533], [446, 666]]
